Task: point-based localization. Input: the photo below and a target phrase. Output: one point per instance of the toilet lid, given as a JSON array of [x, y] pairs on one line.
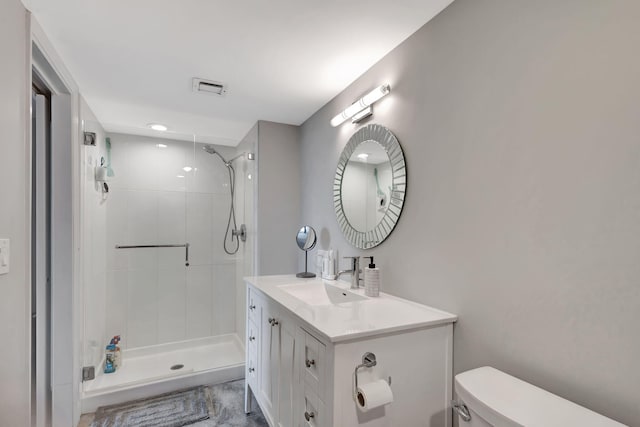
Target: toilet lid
[[506, 401]]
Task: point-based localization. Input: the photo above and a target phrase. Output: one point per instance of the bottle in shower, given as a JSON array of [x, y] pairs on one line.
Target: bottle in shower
[[109, 363]]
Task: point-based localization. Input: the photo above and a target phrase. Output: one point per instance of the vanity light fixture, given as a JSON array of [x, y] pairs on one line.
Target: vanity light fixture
[[363, 156], [158, 127], [358, 117], [179, 176], [361, 105], [161, 145], [187, 168]]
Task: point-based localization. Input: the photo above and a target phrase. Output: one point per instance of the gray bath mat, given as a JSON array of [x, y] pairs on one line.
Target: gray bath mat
[[174, 409], [228, 408]]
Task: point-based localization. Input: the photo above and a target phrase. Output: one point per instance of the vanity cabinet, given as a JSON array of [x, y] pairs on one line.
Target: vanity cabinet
[[277, 349], [302, 374], [270, 359]]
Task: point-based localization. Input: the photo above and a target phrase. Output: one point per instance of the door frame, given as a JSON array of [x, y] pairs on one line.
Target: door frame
[[66, 265], [40, 255]]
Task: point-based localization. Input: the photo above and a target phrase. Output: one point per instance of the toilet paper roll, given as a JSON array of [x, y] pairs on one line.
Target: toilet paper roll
[[373, 395]]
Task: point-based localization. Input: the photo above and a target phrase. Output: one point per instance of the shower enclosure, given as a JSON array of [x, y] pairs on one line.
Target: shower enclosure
[[164, 262]]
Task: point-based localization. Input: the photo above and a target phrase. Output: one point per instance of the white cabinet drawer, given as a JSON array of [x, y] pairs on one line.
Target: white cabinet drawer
[[252, 367], [312, 411], [252, 334], [314, 363], [253, 309]]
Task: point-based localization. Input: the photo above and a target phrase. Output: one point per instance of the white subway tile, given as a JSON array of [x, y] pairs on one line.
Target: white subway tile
[[223, 298], [199, 295], [172, 302], [142, 308], [116, 303], [200, 228]]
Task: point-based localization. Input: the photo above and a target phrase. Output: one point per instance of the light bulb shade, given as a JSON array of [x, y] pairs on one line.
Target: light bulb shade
[[361, 104], [375, 95], [337, 120]]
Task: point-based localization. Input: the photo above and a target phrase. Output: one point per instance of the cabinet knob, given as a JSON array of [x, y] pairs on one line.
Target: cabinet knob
[[252, 307], [309, 415], [310, 363], [252, 338], [273, 322], [251, 370]]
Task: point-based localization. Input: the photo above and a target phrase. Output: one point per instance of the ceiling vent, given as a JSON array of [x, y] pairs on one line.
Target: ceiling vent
[[208, 87]]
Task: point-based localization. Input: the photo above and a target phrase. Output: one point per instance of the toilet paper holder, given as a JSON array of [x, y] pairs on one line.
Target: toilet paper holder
[[368, 361]]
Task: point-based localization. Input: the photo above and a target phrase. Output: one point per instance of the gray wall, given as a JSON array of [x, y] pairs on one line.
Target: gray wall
[[521, 126], [278, 197], [14, 214]]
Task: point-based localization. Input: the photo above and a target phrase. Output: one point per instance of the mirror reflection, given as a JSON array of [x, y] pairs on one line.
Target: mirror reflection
[[367, 186], [306, 238]]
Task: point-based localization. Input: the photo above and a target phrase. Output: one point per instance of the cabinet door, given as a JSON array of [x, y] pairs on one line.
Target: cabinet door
[[268, 372], [287, 381]]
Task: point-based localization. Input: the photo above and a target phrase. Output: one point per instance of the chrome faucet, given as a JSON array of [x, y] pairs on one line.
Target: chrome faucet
[[355, 271]]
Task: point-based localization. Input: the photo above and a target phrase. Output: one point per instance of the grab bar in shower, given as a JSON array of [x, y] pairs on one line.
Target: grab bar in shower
[[184, 245]]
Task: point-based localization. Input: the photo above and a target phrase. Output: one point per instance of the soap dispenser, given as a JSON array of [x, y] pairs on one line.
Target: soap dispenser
[[371, 279]]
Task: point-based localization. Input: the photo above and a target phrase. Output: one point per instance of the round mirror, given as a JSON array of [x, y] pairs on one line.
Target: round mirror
[[306, 239], [369, 186]]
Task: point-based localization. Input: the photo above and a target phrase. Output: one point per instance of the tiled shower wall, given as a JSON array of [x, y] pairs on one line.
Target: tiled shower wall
[[151, 296]]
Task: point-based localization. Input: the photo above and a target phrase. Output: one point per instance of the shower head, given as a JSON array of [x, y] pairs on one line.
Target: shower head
[[209, 149]]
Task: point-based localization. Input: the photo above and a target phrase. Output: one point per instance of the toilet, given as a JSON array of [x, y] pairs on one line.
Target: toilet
[[488, 397]]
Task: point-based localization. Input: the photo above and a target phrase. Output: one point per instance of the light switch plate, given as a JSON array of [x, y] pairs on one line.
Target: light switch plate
[[5, 252]]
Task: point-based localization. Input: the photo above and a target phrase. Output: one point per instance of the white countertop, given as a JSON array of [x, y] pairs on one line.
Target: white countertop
[[350, 320]]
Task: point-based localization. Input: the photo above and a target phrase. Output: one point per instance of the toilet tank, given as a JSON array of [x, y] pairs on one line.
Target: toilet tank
[[494, 398]]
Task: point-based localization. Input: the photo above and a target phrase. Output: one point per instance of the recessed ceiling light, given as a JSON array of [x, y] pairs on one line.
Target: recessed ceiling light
[[158, 127], [363, 156], [187, 168], [161, 146]]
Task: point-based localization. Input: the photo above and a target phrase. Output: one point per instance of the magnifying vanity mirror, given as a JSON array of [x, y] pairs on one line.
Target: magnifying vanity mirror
[[369, 186], [306, 240]]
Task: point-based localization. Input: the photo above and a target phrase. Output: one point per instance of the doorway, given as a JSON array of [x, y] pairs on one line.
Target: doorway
[[40, 252], [53, 106]]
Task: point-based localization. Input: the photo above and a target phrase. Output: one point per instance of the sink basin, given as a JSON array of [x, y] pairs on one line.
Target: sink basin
[[320, 294]]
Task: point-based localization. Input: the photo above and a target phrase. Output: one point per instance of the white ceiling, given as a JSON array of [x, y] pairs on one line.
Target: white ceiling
[[282, 59], [374, 151]]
